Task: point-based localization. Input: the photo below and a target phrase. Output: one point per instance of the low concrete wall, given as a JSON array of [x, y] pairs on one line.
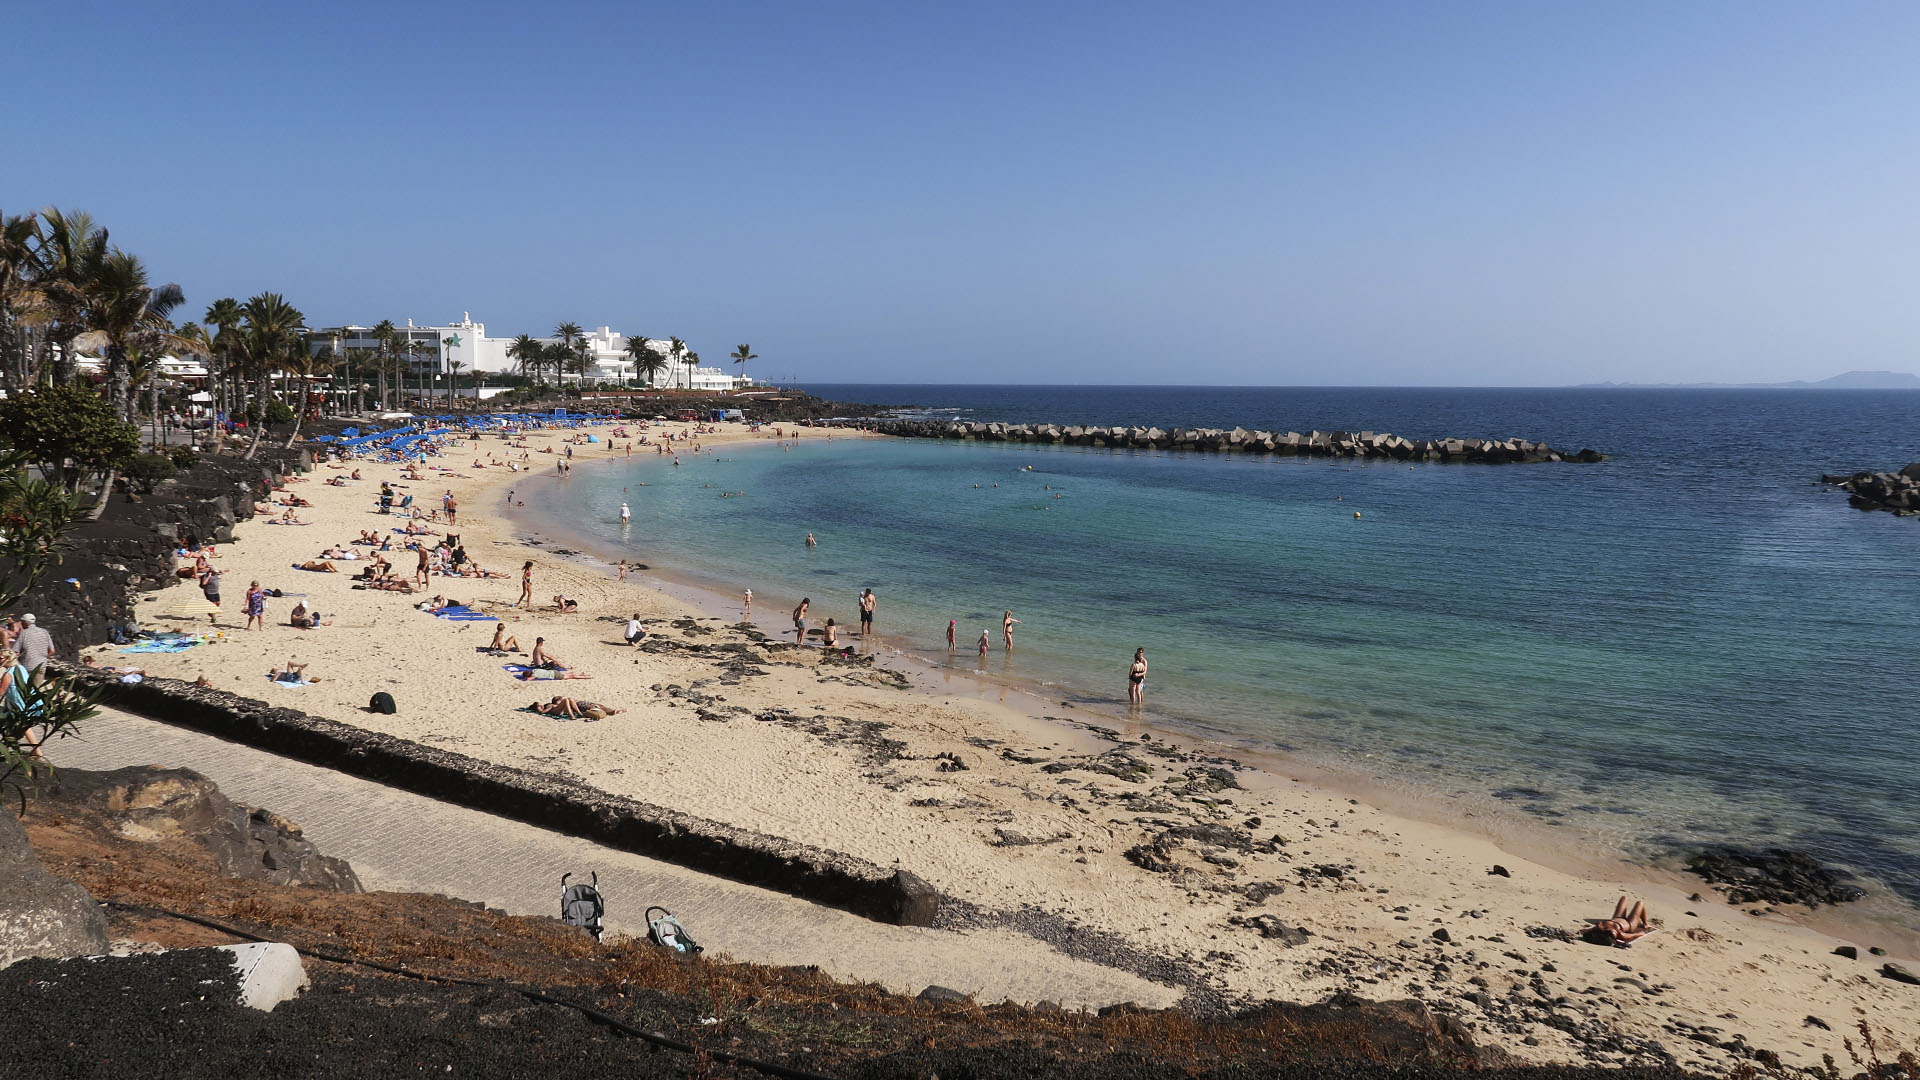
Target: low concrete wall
[[825, 877]]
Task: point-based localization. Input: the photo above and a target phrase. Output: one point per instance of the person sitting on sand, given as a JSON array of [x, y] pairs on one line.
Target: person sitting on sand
[[501, 642], [320, 565], [288, 518], [1628, 925], [356, 474], [575, 709], [541, 658], [832, 635], [304, 619]]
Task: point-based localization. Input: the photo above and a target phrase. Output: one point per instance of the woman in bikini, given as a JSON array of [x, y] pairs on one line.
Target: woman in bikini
[[1137, 678], [501, 642], [526, 586], [1628, 925]]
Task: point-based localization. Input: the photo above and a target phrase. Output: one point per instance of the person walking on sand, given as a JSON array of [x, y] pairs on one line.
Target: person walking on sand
[[210, 588], [800, 621], [1137, 678], [422, 570], [867, 603], [950, 625], [453, 510], [623, 569], [526, 586], [1006, 627]]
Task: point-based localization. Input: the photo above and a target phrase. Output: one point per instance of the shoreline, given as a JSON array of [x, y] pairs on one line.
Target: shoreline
[[1878, 917], [1275, 888]]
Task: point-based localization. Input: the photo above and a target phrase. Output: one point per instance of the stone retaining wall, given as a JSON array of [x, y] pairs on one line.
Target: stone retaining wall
[[1358, 444], [711, 847]]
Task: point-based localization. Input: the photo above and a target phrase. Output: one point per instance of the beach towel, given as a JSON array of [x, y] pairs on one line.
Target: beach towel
[[517, 670], [463, 614], [160, 647], [289, 685]]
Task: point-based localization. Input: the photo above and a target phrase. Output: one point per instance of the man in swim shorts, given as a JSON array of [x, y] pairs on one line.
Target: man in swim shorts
[[867, 603]]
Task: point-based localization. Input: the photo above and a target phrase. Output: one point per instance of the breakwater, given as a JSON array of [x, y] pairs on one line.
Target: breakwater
[[1895, 492], [1349, 444]]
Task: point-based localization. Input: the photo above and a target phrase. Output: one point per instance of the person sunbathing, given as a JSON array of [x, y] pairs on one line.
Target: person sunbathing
[[575, 709], [292, 673], [536, 674], [334, 481], [1628, 925], [110, 669], [391, 584], [321, 565], [503, 643]]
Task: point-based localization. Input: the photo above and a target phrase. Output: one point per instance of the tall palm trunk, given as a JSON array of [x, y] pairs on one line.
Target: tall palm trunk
[[261, 396]]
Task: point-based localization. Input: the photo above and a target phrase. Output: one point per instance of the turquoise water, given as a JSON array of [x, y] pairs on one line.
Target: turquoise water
[[1682, 644]]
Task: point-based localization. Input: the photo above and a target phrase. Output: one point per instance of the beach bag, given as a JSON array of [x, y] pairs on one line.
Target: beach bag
[[581, 906], [666, 932], [383, 703]]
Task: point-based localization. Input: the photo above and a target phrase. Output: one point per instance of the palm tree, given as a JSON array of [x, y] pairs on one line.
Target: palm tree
[[19, 294], [650, 363], [271, 338], [530, 352], [225, 316], [367, 358], [639, 350], [384, 333], [692, 360], [740, 357], [567, 334], [677, 349], [453, 381], [71, 248], [126, 313]]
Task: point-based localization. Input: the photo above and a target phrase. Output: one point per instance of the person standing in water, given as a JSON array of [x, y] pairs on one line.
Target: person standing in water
[[811, 542], [626, 515], [1006, 628], [867, 603], [986, 639], [950, 625], [1137, 678]]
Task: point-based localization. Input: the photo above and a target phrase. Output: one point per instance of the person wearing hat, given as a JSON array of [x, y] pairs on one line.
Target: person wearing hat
[[35, 648]]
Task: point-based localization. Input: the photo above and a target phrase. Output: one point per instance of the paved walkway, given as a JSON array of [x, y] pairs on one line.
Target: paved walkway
[[401, 842]]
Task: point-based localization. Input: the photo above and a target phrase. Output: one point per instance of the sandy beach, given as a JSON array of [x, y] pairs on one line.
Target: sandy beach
[[1253, 882]]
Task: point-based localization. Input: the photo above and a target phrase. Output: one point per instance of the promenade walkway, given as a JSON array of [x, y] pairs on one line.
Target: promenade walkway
[[401, 842]]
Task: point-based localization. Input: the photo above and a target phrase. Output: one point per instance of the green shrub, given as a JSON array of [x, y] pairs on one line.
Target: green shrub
[[278, 412], [146, 470], [183, 457]]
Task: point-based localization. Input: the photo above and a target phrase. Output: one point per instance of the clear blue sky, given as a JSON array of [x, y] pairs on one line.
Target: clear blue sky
[[1335, 193]]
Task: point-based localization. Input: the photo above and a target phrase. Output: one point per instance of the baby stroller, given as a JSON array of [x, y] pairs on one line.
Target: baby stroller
[[581, 905], [666, 932]]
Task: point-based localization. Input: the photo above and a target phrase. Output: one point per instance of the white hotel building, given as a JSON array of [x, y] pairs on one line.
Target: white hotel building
[[467, 342]]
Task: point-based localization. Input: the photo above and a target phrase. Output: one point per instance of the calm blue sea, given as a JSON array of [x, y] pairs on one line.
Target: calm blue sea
[[1691, 641]]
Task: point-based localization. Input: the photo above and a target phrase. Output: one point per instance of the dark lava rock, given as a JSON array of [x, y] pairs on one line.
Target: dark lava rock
[[944, 995], [148, 802], [1814, 1021], [1273, 929], [40, 914], [1847, 951], [1774, 876], [1441, 935], [1499, 871], [1899, 974]]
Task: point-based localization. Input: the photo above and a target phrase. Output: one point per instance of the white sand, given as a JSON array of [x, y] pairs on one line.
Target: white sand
[[1005, 834]]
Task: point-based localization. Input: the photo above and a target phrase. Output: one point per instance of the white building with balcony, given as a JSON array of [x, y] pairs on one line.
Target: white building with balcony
[[436, 348]]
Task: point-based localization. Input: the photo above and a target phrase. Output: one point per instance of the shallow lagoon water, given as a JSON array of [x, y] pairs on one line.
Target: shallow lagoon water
[[1691, 641]]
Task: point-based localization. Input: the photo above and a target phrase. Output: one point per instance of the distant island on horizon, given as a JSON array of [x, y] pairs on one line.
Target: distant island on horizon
[[1851, 380]]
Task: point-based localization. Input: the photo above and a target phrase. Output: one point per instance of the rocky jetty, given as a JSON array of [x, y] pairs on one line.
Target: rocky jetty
[[1897, 493], [1774, 876], [1348, 444]]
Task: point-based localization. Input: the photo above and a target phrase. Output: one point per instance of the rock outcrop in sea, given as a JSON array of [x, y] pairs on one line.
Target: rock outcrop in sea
[[1352, 444], [1897, 493]]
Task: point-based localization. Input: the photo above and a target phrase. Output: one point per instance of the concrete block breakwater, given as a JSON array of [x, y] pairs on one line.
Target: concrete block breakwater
[[1351, 444]]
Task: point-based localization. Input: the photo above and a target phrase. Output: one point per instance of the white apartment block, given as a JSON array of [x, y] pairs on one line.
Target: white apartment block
[[466, 341]]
